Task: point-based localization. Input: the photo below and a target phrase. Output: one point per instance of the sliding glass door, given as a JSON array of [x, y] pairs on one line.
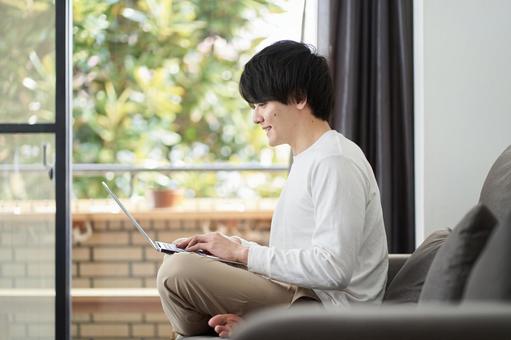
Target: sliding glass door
[[34, 169]]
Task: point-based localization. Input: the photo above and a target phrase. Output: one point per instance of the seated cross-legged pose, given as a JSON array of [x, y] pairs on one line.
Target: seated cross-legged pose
[[327, 239]]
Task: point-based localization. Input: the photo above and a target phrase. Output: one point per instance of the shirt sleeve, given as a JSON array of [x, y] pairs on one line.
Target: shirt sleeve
[[338, 191]]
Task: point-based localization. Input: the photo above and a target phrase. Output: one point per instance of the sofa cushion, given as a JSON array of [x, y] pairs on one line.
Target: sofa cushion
[[496, 191], [490, 279], [407, 284], [453, 262]]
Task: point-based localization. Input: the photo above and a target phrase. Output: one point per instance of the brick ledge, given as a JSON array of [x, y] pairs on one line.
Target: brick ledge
[[90, 300]]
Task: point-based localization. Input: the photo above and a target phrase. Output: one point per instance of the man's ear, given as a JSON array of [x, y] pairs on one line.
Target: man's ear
[[301, 104]]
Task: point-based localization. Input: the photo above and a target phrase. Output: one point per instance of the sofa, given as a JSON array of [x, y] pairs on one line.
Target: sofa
[[456, 285]]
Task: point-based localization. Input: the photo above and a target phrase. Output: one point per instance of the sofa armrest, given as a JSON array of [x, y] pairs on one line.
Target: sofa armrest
[[438, 322]]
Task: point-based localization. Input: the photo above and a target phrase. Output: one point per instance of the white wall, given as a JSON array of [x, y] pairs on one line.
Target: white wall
[[463, 103]]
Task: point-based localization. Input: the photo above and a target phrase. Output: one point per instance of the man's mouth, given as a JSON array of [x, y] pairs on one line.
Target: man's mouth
[[267, 129]]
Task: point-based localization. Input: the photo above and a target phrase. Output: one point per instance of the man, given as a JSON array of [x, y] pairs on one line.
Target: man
[[327, 239]]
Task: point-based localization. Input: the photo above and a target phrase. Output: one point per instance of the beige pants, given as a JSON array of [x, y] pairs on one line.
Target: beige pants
[[194, 288]]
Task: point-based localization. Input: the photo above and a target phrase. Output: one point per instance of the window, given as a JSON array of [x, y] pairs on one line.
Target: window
[[156, 87]]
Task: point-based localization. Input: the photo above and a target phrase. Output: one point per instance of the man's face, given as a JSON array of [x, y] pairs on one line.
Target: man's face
[[277, 120]]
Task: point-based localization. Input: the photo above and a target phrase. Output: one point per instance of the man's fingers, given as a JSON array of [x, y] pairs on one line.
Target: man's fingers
[[202, 239], [198, 246], [182, 242], [193, 240]]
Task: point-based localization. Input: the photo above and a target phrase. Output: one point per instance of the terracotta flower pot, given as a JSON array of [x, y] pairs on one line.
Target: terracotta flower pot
[[165, 198]]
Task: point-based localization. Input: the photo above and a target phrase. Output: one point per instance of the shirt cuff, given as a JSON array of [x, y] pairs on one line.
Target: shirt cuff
[[258, 259]]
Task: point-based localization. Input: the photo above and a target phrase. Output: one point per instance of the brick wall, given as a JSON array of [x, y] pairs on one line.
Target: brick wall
[[115, 255], [29, 325], [27, 262], [121, 326], [27, 254]]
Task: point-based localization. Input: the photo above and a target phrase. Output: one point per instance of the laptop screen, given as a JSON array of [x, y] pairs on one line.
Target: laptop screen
[[130, 217]]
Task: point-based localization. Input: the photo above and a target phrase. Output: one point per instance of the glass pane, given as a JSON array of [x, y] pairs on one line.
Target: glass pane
[[27, 65], [27, 238]]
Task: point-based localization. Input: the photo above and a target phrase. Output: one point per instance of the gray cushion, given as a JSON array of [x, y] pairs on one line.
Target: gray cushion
[[490, 279], [496, 191], [473, 322], [453, 262], [407, 284]]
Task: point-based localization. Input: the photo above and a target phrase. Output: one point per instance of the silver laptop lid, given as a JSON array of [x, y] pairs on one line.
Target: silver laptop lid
[[131, 218]]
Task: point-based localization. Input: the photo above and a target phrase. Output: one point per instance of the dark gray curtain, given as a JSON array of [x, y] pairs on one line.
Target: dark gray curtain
[[372, 63]]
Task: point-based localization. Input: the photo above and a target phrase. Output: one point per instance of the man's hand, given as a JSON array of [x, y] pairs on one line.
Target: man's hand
[[217, 244]]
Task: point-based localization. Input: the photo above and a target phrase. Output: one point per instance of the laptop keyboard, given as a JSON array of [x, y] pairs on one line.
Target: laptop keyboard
[[169, 247]]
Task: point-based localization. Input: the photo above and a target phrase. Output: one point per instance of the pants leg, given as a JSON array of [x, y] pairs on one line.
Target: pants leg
[[193, 288]]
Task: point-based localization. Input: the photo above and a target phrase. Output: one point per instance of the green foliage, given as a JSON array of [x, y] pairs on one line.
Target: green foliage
[[157, 81], [27, 63], [27, 94]]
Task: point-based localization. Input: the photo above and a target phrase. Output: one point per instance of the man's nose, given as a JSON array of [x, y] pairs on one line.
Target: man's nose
[[256, 116]]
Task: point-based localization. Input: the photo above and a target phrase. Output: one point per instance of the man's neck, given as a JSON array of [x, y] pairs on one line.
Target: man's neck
[[308, 133]]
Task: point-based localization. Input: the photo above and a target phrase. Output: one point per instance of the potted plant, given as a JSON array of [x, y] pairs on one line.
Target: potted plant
[[164, 191]]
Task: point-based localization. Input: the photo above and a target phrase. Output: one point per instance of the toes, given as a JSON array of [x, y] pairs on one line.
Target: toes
[[222, 331], [224, 323], [222, 319], [219, 319]]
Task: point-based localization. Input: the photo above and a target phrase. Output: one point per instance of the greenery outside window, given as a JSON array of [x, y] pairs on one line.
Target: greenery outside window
[[156, 84]]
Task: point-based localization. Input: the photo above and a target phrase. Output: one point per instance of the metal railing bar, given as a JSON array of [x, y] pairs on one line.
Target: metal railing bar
[[27, 128], [91, 167]]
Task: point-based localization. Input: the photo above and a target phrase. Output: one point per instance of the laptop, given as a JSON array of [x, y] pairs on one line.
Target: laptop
[[162, 247]]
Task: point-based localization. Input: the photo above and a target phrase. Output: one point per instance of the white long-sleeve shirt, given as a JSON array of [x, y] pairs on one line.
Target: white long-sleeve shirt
[[327, 231]]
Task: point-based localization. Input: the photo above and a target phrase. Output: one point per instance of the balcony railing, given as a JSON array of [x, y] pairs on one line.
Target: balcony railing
[[92, 168]]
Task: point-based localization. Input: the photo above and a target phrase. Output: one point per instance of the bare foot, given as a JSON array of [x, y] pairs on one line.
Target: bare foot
[[224, 323]]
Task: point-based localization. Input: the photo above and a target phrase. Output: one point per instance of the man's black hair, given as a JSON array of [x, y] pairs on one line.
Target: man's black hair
[[289, 71]]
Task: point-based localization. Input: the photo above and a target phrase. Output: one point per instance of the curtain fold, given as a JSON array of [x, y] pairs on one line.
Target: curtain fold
[[372, 63]]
